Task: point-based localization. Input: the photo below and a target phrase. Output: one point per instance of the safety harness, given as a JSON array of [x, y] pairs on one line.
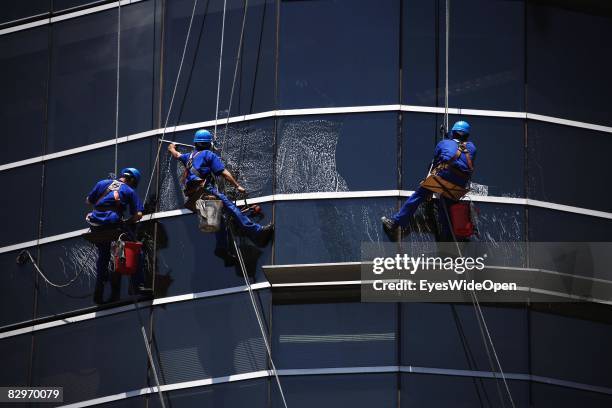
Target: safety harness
[[114, 188], [189, 169], [449, 164], [434, 182]]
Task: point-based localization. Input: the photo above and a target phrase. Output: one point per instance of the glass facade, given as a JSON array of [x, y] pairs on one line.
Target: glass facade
[[324, 177]]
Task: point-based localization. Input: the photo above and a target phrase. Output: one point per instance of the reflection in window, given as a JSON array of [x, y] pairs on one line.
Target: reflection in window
[[334, 335], [252, 393], [546, 225], [562, 397], [350, 59], [15, 352], [196, 93], [24, 67], [328, 230], [337, 153], [15, 10], [16, 291]]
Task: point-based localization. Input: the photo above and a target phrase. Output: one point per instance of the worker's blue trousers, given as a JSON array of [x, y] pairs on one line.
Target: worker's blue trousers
[[403, 217], [243, 221]]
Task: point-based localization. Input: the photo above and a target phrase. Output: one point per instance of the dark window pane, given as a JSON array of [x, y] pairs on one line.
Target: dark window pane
[[15, 10], [91, 359], [17, 289], [419, 47], [253, 393], [340, 53], [567, 70], [328, 230], [134, 402], [337, 153], [356, 391], [486, 62], [197, 91], [544, 395], [23, 80], [570, 349], [191, 261], [421, 390], [448, 336], [20, 204], [559, 174], [67, 205], [492, 136], [59, 5], [82, 101], [547, 225], [335, 335], [209, 338], [15, 352]]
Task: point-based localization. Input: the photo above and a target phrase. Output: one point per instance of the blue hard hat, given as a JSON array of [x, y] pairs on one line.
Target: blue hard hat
[[203, 136], [461, 126], [131, 172]]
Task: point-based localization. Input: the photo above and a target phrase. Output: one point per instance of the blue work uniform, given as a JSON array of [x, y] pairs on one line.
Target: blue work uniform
[[110, 199], [200, 166], [459, 174]]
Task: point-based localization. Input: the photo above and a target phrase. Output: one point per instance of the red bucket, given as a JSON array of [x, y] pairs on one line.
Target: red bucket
[[127, 256], [461, 219]]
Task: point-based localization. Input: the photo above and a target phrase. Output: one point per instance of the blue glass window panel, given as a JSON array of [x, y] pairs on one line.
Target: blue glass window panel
[[15, 352], [17, 290], [65, 193], [186, 257], [328, 230], [206, 338], [196, 94], [15, 10], [563, 397], [20, 204], [358, 390], [579, 87], [570, 349], [82, 102], [546, 225], [448, 336], [349, 57], [252, 393], [90, 359], [422, 390], [335, 335], [559, 173], [493, 137], [24, 68], [337, 153], [487, 55]]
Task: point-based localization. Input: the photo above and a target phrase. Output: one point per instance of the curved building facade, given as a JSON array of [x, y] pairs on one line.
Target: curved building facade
[[327, 112]]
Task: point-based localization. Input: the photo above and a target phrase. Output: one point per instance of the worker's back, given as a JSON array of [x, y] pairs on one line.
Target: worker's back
[[110, 198], [199, 164], [447, 150]]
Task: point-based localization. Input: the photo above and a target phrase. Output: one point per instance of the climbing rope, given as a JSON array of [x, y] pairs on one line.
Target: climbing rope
[[178, 77], [220, 65], [447, 29], [118, 83], [21, 260]]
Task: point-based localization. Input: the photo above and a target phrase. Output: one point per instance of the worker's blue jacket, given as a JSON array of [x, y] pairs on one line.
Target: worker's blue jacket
[[445, 151], [199, 165], [110, 199]]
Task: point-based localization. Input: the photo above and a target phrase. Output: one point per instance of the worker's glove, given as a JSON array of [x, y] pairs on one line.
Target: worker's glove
[[241, 190]]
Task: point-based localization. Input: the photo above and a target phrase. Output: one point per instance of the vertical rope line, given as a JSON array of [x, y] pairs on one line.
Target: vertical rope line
[[178, 77], [118, 83], [446, 66], [220, 65]]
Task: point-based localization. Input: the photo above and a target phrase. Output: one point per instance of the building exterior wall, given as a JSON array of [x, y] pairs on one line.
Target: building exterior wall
[[339, 97]]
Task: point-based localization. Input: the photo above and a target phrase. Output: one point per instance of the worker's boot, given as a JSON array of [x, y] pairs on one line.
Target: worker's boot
[[115, 288], [391, 229], [264, 236]]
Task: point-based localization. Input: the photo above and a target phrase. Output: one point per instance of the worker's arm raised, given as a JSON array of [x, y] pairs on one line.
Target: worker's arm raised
[[228, 176], [173, 152]]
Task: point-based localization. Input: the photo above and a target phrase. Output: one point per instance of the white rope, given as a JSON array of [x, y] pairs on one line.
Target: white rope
[[40, 272], [178, 77], [118, 82], [446, 66], [220, 65], [258, 316]]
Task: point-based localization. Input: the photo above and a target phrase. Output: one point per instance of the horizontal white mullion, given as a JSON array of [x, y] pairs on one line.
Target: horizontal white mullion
[[568, 122], [328, 196], [25, 26], [340, 371], [126, 308]]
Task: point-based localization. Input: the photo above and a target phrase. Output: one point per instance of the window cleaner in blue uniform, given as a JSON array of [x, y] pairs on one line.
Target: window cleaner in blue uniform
[[110, 198], [201, 165], [452, 168]]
